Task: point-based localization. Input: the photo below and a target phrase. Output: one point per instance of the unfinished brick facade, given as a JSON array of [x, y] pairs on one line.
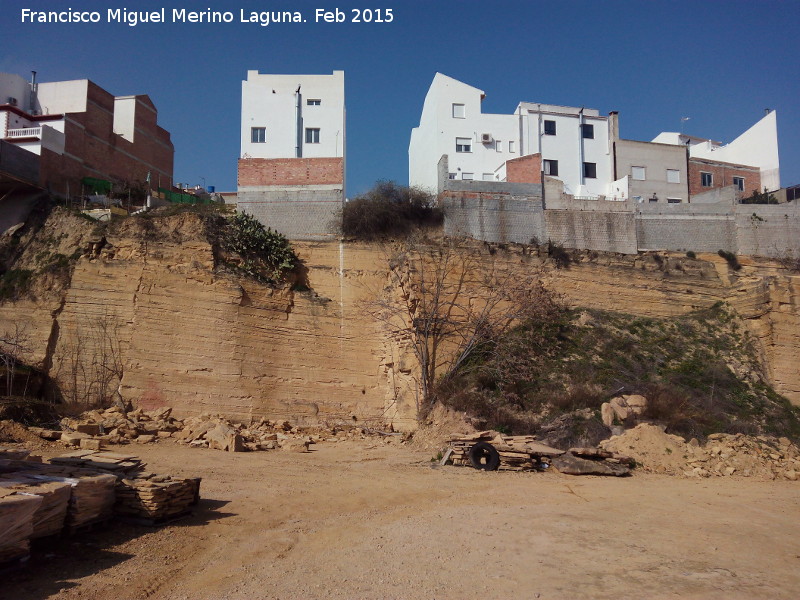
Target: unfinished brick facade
[[526, 169], [290, 171], [722, 175], [93, 148]]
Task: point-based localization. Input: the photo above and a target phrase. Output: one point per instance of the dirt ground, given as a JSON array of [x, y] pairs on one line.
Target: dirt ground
[[367, 520]]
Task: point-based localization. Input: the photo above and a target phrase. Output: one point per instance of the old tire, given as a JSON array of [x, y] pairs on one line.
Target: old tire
[[484, 457]]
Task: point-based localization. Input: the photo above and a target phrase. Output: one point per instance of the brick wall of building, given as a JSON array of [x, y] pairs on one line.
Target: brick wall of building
[[526, 169], [92, 149], [290, 171], [722, 175]]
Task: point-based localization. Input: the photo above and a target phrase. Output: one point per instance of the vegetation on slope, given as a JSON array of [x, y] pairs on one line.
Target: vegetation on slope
[[699, 372]]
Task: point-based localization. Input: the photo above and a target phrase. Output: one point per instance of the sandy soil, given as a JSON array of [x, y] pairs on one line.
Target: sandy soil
[[372, 520]]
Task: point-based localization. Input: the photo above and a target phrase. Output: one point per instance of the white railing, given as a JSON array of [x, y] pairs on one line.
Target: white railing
[[27, 132]]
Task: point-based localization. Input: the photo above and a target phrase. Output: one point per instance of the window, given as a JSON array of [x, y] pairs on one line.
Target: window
[[549, 127], [498, 145], [511, 147], [312, 136], [258, 135], [706, 179], [590, 170], [551, 167], [313, 102], [463, 145], [673, 176], [739, 183], [653, 198], [459, 112], [467, 176], [452, 175], [638, 173], [674, 200], [587, 131], [488, 177]]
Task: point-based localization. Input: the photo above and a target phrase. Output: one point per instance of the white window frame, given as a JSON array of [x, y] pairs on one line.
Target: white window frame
[[262, 134], [674, 200], [673, 176], [463, 145], [452, 175], [459, 111], [511, 147], [498, 145], [703, 175], [641, 171], [738, 182], [488, 177], [468, 176], [312, 135]]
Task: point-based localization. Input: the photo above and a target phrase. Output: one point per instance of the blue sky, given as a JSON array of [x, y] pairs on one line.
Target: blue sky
[[719, 63]]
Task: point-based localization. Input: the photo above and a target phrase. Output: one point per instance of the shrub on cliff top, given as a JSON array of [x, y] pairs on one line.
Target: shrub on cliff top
[[389, 210], [264, 253]]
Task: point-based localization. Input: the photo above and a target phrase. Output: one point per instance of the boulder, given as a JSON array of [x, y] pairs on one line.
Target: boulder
[[295, 445], [607, 414], [90, 444], [73, 438], [225, 438]]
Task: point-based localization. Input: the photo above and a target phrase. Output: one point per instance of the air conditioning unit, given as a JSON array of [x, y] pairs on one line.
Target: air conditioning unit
[[12, 101], [486, 138]]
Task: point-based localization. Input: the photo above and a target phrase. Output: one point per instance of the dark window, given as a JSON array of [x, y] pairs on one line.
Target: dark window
[[312, 136], [739, 183], [551, 167], [258, 135], [549, 127], [706, 179], [587, 131], [590, 170], [463, 145], [313, 102]]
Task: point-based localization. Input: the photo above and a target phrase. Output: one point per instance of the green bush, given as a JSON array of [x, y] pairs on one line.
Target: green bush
[[733, 262], [14, 283], [389, 210], [265, 254]]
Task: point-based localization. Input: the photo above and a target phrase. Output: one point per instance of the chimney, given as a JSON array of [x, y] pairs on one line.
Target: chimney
[[613, 125]]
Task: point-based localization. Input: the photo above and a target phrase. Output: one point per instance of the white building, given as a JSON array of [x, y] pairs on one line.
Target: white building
[[293, 116], [756, 147], [293, 147], [573, 143]]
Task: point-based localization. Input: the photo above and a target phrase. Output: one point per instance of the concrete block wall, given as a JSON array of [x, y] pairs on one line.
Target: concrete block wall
[[299, 213], [493, 217], [682, 233], [592, 230], [768, 229]]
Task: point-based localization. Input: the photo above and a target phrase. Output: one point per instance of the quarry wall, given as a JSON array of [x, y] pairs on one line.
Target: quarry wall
[[203, 341]]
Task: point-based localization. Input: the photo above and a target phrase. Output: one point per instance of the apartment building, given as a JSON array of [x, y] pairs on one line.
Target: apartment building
[[81, 132], [582, 149], [291, 168]]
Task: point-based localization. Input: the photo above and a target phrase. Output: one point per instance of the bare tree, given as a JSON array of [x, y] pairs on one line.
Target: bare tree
[[449, 301], [13, 346], [90, 365]]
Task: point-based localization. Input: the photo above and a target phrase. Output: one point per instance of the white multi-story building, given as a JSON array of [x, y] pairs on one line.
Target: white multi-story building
[[293, 116], [573, 143], [293, 147]]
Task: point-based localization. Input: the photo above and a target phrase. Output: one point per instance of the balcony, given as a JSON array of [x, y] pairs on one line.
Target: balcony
[[27, 132]]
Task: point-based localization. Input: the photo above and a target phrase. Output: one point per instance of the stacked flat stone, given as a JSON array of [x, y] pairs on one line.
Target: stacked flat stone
[[155, 497], [16, 525], [52, 512]]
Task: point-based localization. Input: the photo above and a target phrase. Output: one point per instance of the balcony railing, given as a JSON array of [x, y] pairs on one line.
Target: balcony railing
[[23, 133]]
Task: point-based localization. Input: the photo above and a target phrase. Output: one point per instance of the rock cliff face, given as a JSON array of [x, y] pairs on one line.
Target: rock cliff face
[[199, 340]]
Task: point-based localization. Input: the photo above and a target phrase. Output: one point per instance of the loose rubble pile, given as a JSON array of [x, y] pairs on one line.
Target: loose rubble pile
[[524, 453], [80, 489], [764, 457], [96, 429]]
